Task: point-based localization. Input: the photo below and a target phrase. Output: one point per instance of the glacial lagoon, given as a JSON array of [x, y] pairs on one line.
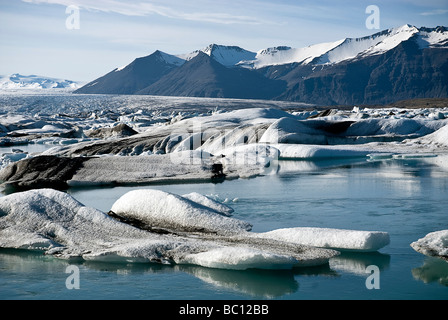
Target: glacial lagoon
[[404, 197]]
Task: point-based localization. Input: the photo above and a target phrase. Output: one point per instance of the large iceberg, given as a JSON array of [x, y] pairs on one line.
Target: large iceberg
[[148, 226]]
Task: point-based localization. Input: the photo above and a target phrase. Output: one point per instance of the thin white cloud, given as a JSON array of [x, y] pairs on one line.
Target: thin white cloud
[[145, 8], [434, 12]]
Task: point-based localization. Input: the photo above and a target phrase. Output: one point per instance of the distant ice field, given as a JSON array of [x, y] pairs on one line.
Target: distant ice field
[[53, 102]]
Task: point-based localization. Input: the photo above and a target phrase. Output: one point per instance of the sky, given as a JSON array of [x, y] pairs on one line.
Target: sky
[[82, 40]]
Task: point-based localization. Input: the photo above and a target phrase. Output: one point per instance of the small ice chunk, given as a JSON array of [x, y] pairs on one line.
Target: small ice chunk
[[210, 203], [414, 156], [380, 155], [237, 258], [165, 210], [339, 239], [8, 158], [301, 151], [433, 244]]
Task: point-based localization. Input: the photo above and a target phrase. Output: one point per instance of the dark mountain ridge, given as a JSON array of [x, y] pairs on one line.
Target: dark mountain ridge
[[395, 64]]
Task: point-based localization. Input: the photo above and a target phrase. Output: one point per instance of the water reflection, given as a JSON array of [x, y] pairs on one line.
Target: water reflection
[[432, 270], [265, 284], [357, 263], [286, 167]]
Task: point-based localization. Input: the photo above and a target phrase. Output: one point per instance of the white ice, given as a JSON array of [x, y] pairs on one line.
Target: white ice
[[240, 259], [161, 209], [349, 240], [54, 222], [210, 203], [433, 244]]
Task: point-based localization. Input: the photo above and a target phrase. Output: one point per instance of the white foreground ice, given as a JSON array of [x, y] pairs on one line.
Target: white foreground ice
[[348, 240], [434, 244], [166, 210], [210, 203], [54, 222]]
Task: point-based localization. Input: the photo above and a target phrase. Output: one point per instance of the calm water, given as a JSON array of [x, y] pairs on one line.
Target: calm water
[[408, 199]]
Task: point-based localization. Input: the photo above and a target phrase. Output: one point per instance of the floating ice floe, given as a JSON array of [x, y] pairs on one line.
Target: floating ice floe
[[434, 244], [347, 240], [147, 226], [301, 151]]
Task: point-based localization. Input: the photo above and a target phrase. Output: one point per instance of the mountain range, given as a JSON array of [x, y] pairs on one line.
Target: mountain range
[[395, 64], [18, 82]]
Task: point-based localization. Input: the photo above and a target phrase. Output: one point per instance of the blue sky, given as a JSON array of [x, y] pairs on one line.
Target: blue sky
[[34, 38]]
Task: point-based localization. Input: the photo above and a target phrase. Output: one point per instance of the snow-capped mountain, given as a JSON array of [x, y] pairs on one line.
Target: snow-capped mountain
[[226, 55], [397, 63], [349, 48], [17, 81], [286, 55]]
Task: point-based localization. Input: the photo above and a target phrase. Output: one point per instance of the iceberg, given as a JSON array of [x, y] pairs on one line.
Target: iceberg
[[11, 157], [240, 259], [287, 130], [302, 151], [434, 244], [150, 226], [55, 223], [339, 239], [163, 210]]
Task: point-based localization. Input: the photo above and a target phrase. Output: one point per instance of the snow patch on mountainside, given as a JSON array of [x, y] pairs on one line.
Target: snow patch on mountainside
[[286, 55], [324, 53], [433, 38], [226, 55], [371, 45]]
